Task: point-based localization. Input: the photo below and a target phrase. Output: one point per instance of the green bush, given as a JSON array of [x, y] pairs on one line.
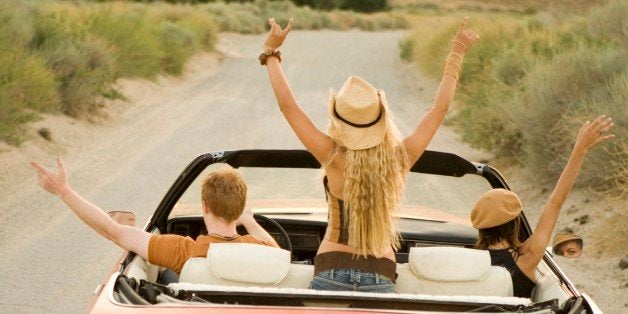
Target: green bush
[[406, 48], [178, 46], [26, 86], [135, 40], [82, 65], [583, 83]]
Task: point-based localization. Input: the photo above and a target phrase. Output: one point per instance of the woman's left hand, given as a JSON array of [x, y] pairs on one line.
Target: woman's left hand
[[594, 132], [276, 35], [464, 39]]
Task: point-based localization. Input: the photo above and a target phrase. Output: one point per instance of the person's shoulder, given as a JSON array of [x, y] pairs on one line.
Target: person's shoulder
[[170, 239], [251, 239]]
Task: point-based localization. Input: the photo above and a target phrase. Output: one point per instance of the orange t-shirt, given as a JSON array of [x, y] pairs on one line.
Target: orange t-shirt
[[172, 251]]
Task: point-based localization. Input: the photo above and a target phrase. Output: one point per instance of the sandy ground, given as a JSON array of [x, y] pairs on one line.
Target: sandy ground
[[128, 158]]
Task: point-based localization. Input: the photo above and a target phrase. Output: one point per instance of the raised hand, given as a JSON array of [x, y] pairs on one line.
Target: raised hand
[[276, 35], [245, 218], [594, 132], [55, 183], [465, 38]]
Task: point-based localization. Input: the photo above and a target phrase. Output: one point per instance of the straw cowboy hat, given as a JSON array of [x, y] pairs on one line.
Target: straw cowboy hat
[[495, 207], [359, 114]]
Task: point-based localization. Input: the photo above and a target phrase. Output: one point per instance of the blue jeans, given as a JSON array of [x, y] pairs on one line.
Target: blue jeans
[[351, 280]]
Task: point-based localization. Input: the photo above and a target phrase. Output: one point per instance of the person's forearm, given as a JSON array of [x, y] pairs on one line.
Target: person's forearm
[[254, 229], [89, 213], [279, 83], [565, 183], [447, 87]]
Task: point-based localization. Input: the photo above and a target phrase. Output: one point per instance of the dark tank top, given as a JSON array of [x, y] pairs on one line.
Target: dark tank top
[[337, 218], [522, 285]]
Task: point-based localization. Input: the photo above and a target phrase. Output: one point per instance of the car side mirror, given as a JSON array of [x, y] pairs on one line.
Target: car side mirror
[[567, 245], [123, 217]]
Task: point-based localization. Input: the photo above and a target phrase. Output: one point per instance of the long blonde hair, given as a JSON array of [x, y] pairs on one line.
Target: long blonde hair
[[374, 180]]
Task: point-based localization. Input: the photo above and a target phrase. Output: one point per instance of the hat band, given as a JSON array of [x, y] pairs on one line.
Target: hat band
[[356, 125]]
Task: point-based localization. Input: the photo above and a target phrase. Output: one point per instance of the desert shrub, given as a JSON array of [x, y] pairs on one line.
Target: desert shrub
[[606, 168], [178, 46], [26, 86], [527, 87], [406, 48], [16, 27], [245, 18], [204, 28], [134, 39], [83, 65], [609, 22]]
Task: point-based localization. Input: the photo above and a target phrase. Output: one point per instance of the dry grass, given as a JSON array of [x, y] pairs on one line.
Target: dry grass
[[518, 6], [529, 84]]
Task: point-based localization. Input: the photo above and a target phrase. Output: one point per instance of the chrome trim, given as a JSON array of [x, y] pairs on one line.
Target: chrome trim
[[594, 308], [563, 279], [98, 289], [479, 167]]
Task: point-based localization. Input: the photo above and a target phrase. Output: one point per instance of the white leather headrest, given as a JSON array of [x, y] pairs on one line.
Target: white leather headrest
[[449, 263], [251, 263]]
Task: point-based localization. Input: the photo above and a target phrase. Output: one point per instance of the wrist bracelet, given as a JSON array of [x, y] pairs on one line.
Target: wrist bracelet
[[461, 44], [263, 58], [453, 65], [457, 56]]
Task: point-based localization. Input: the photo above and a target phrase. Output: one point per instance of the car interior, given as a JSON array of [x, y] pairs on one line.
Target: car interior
[[437, 267]]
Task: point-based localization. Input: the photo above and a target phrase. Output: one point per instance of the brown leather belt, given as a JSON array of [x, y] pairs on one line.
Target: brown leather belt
[[339, 260]]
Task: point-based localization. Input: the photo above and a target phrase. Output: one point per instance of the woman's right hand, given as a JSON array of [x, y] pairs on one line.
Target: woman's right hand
[[276, 35], [594, 132], [464, 39]]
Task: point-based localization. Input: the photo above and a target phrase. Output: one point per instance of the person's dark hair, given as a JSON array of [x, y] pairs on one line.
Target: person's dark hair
[[509, 231]]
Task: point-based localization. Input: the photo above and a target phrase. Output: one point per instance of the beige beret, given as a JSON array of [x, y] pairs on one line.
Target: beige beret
[[494, 208]]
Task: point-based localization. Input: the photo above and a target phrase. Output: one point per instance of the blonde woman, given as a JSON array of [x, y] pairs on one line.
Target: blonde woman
[[496, 215], [365, 162]]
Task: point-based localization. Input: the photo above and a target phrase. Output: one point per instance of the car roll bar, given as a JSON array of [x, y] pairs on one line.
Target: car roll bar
[[431, 162]]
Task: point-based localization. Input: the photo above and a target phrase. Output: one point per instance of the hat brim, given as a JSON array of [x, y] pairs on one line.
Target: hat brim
[[565, 240], [357, 138]]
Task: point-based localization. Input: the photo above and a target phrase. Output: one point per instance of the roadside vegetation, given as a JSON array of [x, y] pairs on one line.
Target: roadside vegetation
[[532, 80], [63, 57]]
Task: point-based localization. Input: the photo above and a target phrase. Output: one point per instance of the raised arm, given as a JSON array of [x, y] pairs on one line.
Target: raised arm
[[589, 135], [127, 237], [317, 142], [417, 142]]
